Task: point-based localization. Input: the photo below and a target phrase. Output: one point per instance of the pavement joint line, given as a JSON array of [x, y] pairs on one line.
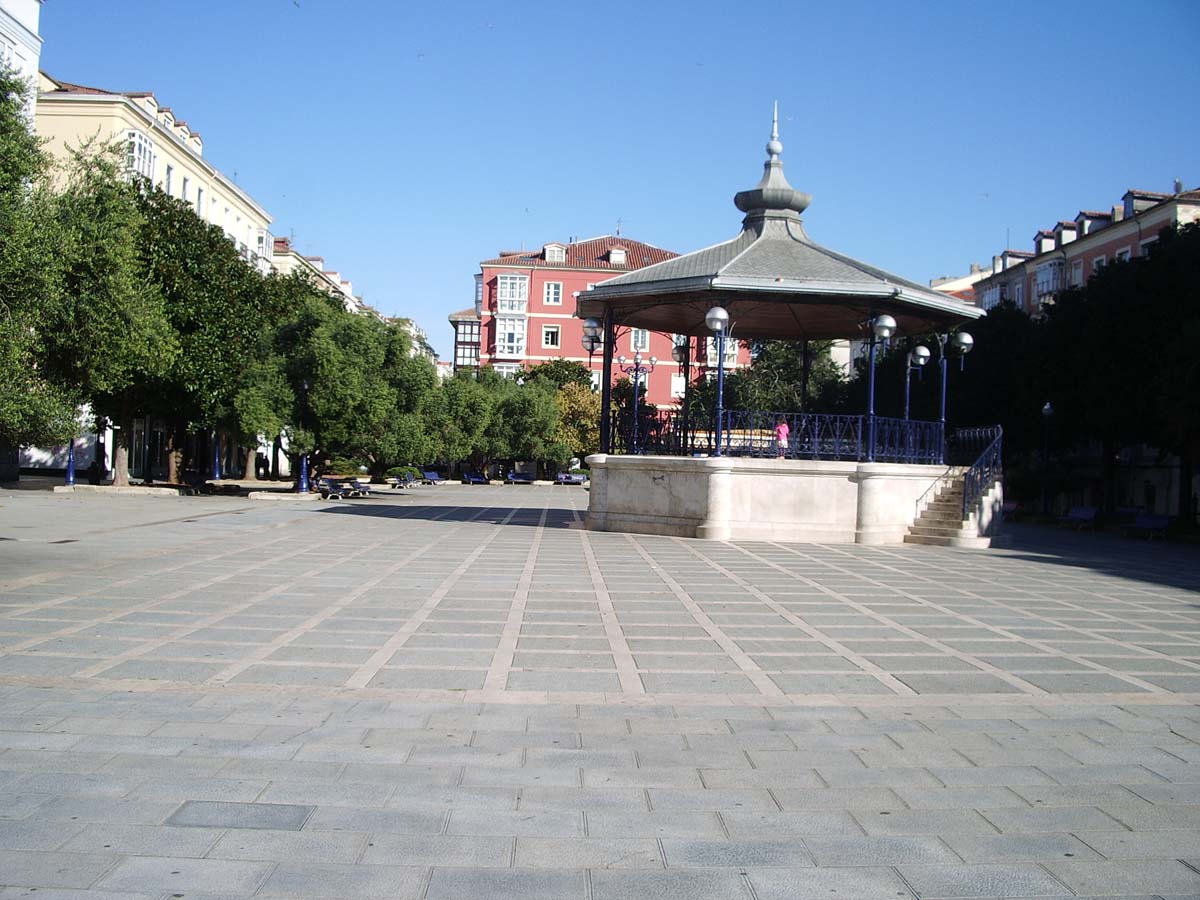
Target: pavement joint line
[[1007, 676], [288, 637], [1135, 650], [368, 670], [149, 646], [502, 657], [125, 611], [627, 670], [741, 659], [868, 667]]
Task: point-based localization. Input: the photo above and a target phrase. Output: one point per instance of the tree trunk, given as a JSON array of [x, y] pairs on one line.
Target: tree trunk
[[275, 448], [121, 444], [251, 473], [175, 439]]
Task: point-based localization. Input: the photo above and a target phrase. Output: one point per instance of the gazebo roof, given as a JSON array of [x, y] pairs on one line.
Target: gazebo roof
[[774, 281]]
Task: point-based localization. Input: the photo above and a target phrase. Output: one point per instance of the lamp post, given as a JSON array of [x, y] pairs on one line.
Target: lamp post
[[216, 456], [883, 327], [637, 370], [918, 358], [69, 480], [717, 320], [1047, 416], [592, 341], [681, 353], [302, 481], [958, 344]]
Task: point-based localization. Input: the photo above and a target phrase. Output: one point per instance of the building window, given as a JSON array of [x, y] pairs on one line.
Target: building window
[[507, 370], [1144, 248], [731, 351], [200, 202], [479, 294], [183, 194], [512, 292], [550, 336], [139, 154], [1122, 255], [556, 254], [1077, 273], [552, 293], [168, 179], [1019, 293], [1098, 263], [678, 385], [466, 344], [595, 380], [639, 340], [510, 336], [616, 256]]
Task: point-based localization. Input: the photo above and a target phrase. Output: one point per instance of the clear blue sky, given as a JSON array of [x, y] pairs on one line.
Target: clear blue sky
[[405, 142]]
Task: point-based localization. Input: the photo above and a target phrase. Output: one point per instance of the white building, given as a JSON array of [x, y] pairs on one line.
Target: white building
[[20, 44]]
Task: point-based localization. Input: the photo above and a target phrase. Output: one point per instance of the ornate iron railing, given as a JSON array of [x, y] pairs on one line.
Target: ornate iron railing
[[987, 468], [818, 436]]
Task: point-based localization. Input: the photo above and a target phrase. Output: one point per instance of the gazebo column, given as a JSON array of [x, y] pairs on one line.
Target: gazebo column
[[606, 383]]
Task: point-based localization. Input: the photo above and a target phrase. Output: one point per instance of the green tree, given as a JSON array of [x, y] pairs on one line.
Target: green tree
[[33, 408], [561, 372], [107, 333], [578, 431], [456, 415]]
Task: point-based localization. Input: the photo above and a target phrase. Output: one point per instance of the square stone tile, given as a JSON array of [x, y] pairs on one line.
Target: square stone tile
[[211, 814]]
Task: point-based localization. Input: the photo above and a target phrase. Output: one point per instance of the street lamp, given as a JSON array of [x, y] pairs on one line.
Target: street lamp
[[883, 327], [1047, 416], [69, 480], [918, 358], [591, 343], [302, 482], [717, 320], [958, 344], [637, 370], [681, 353]]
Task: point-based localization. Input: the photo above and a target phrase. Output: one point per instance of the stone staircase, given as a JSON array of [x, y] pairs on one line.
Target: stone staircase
[[941, 523]]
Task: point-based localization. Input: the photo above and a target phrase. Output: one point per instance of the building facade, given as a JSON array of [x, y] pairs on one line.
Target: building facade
[[159, 147], [20, 43], [1071, 252], [524, 315]]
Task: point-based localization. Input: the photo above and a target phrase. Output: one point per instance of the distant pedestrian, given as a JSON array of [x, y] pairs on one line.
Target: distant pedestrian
[[782, 431]]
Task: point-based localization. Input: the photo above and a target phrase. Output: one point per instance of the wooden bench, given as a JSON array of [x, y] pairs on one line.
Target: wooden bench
[[570, 478], [1150, 524], [1079, 517]]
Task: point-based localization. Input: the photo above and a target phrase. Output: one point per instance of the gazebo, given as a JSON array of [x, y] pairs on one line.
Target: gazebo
[[773, 281]]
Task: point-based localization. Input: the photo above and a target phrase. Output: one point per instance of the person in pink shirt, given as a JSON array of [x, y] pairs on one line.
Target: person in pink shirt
[[781, 437]]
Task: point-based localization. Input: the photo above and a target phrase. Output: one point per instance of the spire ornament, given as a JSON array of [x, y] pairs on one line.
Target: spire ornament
[[773, 195]]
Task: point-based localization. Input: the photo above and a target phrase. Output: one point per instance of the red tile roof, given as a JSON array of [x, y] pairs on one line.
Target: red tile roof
[[589, 254], [1092, 214], [468, 313]]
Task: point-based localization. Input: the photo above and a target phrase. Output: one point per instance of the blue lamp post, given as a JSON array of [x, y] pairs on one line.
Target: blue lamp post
[[637, 370], [216, 459], [958, 344], [918, 358], [70, 478], [883, 327], [717, 320], [302, 481]]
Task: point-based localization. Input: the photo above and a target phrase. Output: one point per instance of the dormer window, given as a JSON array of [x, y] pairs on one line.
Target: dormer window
[[616, 256], [555, 253]]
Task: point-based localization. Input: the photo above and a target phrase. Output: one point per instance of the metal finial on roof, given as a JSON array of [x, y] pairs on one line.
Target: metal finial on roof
[[773, 194], [774, 147]]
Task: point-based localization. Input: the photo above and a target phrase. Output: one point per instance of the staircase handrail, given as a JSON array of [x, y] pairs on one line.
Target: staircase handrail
[[937, 483], [986, 469]]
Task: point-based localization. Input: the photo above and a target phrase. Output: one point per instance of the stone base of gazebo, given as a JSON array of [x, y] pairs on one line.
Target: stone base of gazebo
[[735, 498]]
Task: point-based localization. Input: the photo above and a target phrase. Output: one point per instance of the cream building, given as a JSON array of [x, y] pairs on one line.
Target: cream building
[[20, 44], [159, 147]]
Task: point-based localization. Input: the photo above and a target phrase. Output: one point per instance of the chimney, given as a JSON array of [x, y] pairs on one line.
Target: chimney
[[1178, 185], [995, 264], [974, 268], [1118, 213]]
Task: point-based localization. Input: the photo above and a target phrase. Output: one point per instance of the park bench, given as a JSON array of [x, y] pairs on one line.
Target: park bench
[[1150, 524], [519, 478], [431, 477], [1079, 517], [474, 478], [401, 481], [341, 488], [570, 478]]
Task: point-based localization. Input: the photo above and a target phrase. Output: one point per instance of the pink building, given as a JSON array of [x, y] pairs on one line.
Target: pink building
[[1068, 254], [524, 314]]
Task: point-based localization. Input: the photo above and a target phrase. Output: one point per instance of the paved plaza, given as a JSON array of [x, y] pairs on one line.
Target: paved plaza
[[455, 693]]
